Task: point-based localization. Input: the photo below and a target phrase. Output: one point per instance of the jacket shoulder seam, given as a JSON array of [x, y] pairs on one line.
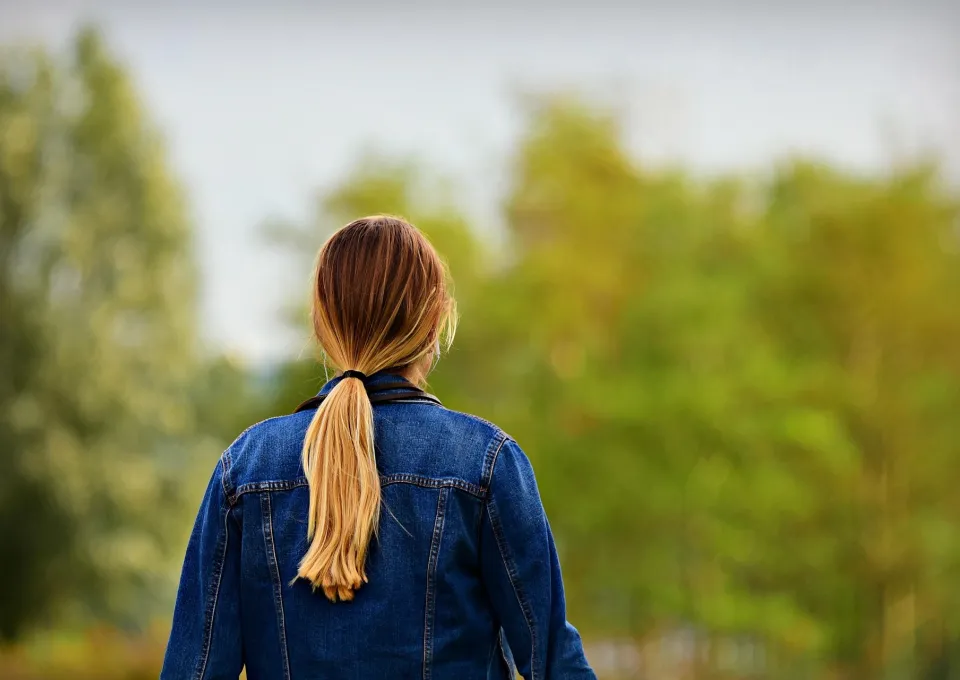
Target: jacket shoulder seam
[[490, 459], [226, 481]]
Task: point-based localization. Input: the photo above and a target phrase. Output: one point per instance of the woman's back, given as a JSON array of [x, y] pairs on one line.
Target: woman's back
[[462, 555]]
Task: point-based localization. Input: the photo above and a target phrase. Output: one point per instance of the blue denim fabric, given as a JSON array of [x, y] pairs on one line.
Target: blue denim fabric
[[464, 576]]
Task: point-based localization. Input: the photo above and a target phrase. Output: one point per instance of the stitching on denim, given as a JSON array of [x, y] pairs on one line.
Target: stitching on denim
[[232, 494], [490, 460], [486, 480], [225, 483], [279, 485], [510, 565], [271, 546], [211, 610], [431, 483], [431, 597], [385, 480]]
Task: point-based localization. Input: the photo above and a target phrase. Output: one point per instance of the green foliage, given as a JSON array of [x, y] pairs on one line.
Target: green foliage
[[97, 299], [739, 397]]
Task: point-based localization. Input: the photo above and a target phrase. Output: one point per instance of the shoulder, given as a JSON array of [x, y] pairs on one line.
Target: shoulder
[[489, 437], [267, 451], [433, 442], [502, 454], [505, 470]]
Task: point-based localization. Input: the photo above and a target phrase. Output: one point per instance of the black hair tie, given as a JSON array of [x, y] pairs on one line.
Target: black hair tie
[[359, 375]]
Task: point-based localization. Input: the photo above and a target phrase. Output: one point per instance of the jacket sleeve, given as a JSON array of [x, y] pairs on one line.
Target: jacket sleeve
[[205, 641], [521, 573]]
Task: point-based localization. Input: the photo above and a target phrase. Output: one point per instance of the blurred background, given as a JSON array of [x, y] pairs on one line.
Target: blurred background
[[708, 263]]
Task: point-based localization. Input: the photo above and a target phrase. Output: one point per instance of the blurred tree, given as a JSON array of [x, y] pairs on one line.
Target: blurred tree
[[651, 381], [228, 398], [732, 389], [29, 574], [737, 397], [869, 292], [97, 301]]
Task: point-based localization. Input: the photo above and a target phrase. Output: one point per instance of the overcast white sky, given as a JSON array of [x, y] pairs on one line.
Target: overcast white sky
[[262, 104]]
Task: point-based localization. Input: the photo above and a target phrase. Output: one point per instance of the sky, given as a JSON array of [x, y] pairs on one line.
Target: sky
[[265, 104]]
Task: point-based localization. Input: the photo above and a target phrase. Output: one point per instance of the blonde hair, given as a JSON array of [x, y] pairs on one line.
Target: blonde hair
[[381, 301]]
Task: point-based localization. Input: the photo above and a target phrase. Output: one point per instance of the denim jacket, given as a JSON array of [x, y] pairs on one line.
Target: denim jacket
[[464, 580]]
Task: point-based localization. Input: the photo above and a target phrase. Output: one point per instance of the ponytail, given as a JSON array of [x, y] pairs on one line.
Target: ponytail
[[381, 301], [341, 470]]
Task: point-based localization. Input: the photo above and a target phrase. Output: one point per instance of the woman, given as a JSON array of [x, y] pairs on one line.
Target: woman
[[374, 533]]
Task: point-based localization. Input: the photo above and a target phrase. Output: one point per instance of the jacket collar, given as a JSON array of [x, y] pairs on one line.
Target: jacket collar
[[375, 380], [381, 387]]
